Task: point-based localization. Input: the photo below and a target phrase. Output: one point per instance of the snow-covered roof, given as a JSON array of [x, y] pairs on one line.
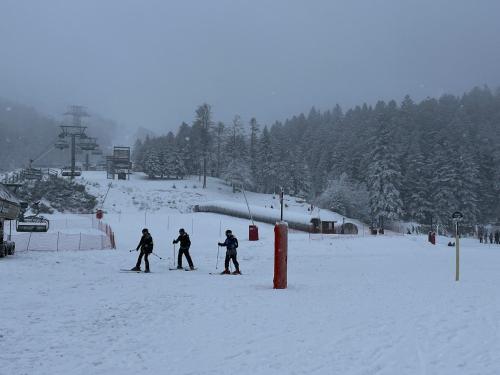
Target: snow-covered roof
[[6, 195]]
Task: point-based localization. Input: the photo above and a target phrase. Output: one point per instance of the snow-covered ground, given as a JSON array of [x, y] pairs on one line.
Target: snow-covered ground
[[354, 305], [177, 196]]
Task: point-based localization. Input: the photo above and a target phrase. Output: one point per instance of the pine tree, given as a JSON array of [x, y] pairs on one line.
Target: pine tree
[[219, 139], [265, 165], [152, 164], [384, 176], [203, 124], [254, 134], [138, 155]]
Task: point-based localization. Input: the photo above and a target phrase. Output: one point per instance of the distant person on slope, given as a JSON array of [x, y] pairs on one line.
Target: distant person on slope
[[146, 246], [184, 249], [231, 243]]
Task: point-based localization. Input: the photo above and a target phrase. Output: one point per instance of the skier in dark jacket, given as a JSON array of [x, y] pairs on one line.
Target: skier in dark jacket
[[146, 246], [184, 249], [231, 244]]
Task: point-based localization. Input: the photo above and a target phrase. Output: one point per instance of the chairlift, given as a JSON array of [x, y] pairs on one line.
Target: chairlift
[[31, 174], [32, 223], [61, 144], [66, 171], [87, 145]]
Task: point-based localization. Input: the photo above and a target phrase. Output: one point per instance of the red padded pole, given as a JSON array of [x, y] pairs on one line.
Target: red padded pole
[[280, 255]]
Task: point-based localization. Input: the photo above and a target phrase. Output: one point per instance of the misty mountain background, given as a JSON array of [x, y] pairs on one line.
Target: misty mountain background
[[28, 134], [151, 63]]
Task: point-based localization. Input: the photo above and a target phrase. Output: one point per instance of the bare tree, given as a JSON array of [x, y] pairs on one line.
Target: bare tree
[[204, 122], [219, 132]]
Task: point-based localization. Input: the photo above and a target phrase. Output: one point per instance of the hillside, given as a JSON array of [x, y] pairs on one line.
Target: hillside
[[180, 196]]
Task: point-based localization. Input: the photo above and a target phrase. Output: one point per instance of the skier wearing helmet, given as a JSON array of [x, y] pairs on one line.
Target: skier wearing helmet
[[184, 249], [146, 246], [231, 244]]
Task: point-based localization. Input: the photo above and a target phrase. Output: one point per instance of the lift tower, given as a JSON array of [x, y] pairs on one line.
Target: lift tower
[[74, 131]]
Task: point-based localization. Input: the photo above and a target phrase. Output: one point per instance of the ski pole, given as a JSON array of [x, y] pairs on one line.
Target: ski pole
[[173, 258], [132, 250], [156, 255], [217, 263]]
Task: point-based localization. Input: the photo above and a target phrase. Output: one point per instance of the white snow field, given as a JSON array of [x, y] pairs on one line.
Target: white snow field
[[354, 305]]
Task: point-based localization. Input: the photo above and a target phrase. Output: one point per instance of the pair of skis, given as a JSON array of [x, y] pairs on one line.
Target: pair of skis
[[170, 269], [182, 269], [133, 271]]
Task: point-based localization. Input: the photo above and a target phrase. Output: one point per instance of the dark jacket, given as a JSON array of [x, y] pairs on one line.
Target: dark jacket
[[184, 240], [146, 243], [231, 243]]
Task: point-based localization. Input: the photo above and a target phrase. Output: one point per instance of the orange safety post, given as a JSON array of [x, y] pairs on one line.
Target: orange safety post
[[280, 255], [99, 214], [253, 233]]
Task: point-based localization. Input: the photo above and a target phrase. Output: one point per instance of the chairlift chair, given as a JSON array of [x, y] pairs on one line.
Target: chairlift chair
[[61, 144], [66, 172], [32, 224], [87, 144]]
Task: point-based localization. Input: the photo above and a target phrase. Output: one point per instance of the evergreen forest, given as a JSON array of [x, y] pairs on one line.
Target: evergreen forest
[[390, 161]]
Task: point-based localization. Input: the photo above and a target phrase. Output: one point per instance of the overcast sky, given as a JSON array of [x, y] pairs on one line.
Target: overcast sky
[[151, 62]]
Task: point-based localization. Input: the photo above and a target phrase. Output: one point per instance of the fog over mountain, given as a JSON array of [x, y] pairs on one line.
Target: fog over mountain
[[150, 63]]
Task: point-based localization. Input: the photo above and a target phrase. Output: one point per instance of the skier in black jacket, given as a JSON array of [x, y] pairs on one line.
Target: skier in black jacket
[[184, 249], [146, 246], [231, 243]]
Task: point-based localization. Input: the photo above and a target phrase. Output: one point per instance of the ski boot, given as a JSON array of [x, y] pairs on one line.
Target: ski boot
[[180, 268], [237, 272], [225, 272], [135, 269], [147, 271], [192, 268]]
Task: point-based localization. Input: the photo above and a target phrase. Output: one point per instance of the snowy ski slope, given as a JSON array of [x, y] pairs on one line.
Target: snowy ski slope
[[355, 305]]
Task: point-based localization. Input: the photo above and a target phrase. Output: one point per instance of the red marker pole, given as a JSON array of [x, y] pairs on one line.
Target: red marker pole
[[280, 255]]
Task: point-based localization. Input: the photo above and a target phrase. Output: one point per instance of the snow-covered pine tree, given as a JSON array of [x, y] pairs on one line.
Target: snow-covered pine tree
[[204, 123], [175, 164], [265, 166], [383, 174], [183, 143], [219, 133], [416, 194], [238, 174], [138, 153], [345, 196], [464, 159], [237, 156], [444, 179], [152, 164], [254, 136]]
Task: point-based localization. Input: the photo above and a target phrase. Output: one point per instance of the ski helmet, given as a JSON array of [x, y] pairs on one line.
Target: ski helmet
[[182, 231], [145, 230], [228, 232]]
